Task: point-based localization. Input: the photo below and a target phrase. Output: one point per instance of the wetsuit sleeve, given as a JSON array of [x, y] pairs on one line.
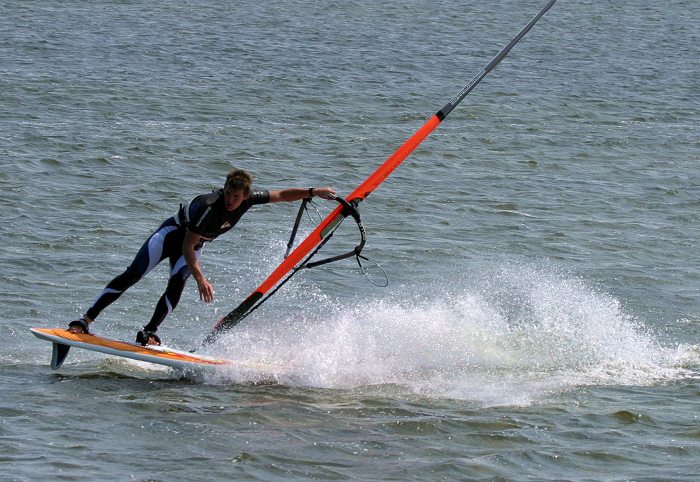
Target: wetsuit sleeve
[[259, 196]]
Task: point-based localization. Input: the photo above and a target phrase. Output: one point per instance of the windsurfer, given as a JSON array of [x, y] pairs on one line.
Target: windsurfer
[[180, 238]]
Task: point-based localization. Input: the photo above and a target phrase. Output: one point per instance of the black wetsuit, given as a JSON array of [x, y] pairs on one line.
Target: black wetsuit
[[205, 215]]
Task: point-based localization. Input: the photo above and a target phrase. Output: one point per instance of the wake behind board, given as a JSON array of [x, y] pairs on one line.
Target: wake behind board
[[62, 340]]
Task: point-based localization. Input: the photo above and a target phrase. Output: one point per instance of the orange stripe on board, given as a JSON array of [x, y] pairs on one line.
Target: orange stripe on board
[[127, 347]]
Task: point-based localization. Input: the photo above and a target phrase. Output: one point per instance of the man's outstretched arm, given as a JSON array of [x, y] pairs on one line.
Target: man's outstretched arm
[[297, 194]]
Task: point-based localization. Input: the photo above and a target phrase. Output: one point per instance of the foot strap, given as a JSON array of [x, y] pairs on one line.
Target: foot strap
[[144, 335], [82, 323]]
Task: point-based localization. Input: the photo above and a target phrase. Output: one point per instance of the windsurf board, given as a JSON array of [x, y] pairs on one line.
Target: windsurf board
[[62, 340]]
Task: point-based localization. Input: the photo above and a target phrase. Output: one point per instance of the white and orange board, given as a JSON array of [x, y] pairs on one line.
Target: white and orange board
[[62, 339]]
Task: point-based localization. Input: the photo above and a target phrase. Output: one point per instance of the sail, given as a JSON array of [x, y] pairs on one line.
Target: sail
[[326, 227]]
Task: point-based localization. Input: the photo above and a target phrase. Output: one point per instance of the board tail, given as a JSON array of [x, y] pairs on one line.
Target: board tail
[[60, 352]]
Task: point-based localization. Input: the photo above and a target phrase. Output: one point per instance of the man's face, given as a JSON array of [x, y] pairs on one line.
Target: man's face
[[233, 198]]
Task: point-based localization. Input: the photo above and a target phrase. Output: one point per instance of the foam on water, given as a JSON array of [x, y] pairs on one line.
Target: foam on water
[[512, 335]]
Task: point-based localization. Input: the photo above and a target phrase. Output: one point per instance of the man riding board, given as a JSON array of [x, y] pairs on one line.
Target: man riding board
[[181, 238]]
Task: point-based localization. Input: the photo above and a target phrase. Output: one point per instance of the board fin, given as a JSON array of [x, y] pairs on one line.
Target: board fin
[[60, 352]]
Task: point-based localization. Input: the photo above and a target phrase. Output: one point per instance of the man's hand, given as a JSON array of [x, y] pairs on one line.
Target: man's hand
[[324, 192], [206, 290]]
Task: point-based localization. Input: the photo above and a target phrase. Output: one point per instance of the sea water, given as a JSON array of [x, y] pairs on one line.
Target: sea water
[[541, 319]]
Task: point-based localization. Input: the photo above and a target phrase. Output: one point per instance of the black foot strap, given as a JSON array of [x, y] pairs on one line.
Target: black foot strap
[[82, 323], [144, 335]]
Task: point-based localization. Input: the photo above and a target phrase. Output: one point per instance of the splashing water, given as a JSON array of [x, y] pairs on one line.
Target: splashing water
[[515, 335]]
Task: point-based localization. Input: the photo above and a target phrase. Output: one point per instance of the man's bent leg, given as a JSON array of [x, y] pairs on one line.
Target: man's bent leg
[[167, 303], [179, 272]]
